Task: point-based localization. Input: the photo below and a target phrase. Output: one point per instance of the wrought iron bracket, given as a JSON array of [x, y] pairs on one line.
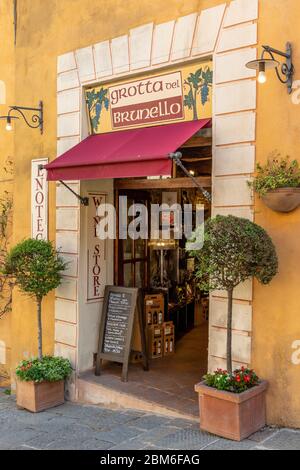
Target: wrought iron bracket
[[176, 157], [36, 120], [83, 200], [287, 69]]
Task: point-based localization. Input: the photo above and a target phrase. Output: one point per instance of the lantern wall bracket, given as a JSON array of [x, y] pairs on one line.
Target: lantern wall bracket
[[34, 121], [284, 69], [287, 68]]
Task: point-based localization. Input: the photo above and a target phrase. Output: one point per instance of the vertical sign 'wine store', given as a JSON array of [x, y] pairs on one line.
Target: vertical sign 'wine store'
[[39, 200], [96, 257]]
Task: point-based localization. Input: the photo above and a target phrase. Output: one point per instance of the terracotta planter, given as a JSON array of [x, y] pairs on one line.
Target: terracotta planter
[[37, 397], [282, 199], [231, 415]]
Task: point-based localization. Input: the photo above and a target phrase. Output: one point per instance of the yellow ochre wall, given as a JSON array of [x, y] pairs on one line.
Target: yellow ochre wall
[[48, 29], [6, 150], [276, 318]]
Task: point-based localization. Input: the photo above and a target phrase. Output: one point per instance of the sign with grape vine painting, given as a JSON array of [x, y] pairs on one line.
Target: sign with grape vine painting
[[178, 94]]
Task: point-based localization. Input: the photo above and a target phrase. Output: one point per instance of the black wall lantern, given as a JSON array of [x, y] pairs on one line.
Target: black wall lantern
[[286, 71], [36, 120]]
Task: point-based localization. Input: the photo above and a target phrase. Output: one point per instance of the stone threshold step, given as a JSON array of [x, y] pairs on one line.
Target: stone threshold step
[[89, 392]]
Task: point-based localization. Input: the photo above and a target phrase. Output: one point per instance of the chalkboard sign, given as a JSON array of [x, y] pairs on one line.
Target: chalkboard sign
[[119, 307]]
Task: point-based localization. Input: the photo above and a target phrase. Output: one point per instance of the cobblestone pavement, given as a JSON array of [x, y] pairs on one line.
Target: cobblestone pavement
[[73, 426]]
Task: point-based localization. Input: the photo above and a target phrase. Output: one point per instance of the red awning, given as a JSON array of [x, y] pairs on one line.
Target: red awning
[[132, 153]]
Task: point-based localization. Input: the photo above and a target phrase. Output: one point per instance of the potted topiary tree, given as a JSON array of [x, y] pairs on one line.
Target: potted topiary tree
[[232, 403], [278, 183], [37, 269]]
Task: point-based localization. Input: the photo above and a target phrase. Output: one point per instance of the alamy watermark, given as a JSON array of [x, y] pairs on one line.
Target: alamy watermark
[[296, 353], [155, 222]]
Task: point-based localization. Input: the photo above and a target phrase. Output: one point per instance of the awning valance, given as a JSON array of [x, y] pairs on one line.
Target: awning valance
[[123, 154]]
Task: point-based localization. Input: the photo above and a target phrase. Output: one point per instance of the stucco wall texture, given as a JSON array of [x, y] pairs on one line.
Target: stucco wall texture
[[6, 151], [48, 29], [276, 319]]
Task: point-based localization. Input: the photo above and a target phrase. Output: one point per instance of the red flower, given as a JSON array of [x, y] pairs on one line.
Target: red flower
[[247, 378], [238, 378]]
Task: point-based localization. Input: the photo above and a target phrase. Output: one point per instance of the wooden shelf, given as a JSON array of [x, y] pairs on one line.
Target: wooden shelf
[[168, 183], [195, 159], [198, 141]]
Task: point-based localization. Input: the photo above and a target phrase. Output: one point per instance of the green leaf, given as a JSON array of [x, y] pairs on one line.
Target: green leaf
[[47, 369], [234, 250], [36, 267], [96, 101], [278, 172], [189, 100]]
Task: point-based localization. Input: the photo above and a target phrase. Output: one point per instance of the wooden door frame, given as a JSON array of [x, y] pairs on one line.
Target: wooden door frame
[[133, 193], [144, 184]]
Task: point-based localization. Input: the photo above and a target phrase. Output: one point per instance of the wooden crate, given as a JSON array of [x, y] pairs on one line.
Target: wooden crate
[[168, 328], [154, 309], [169, 345], [154, 300], [155, 341], [154, 317], [169, 338]]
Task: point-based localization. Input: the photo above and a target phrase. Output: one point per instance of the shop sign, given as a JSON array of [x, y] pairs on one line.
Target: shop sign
[[183, 94], [39, 200], [147, 101], [96, 251]]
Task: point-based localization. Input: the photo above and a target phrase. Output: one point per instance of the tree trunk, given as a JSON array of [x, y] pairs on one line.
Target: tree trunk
[[195, 113], [229, 331], [39, 318]]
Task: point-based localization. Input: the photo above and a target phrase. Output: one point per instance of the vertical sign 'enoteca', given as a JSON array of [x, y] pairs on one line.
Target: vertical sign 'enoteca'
[[39, 200]]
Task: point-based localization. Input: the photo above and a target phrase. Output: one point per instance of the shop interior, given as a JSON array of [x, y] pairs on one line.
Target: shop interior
[[176, 312]]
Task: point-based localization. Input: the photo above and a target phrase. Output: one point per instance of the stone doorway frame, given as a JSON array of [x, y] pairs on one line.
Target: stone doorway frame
[[228, 34]]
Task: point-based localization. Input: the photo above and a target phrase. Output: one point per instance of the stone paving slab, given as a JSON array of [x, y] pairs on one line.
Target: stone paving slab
[[132, 444], [73, 444], [118, 434], [147, 422], [224, 444], [283, 439], [262, 435], [187, 439], [155, 435], [75, 426]]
